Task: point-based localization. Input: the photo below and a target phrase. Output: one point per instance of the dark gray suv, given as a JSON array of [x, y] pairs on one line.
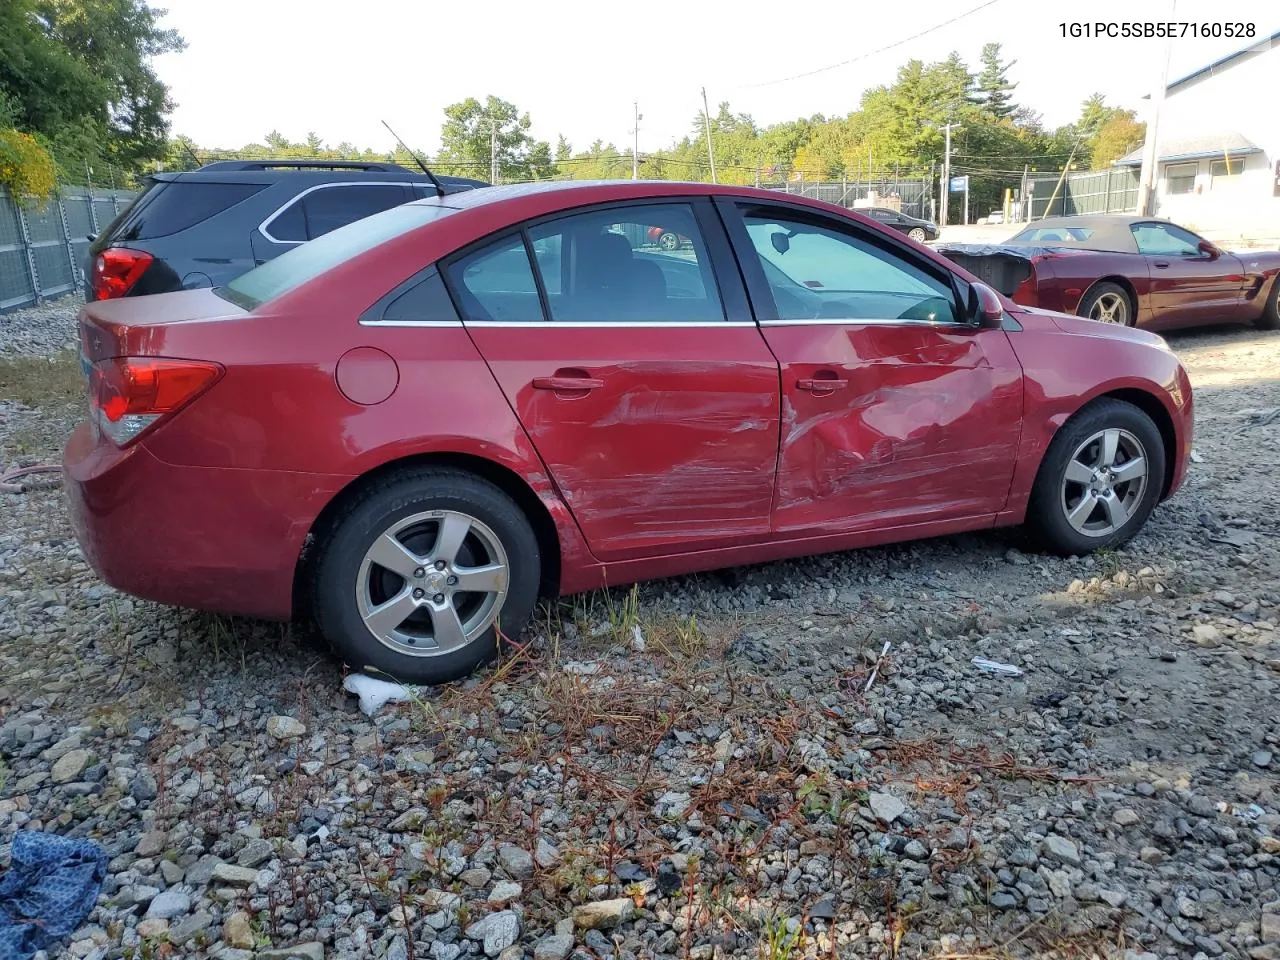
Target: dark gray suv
[[204, 227]]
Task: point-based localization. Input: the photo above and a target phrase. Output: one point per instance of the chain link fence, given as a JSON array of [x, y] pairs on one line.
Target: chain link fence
[[43, 246]]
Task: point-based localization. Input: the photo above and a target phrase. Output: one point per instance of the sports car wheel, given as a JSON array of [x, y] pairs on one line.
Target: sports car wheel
[[1109, 303]]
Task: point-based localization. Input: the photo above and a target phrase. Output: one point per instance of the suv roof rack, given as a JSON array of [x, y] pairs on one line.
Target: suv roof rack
[[242, 165]]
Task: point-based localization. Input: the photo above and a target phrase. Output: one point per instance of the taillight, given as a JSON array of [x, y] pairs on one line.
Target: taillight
[[130, 394], [1027, 293], [116, 270]]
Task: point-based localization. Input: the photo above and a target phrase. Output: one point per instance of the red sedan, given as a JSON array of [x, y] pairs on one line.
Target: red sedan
[[412, 427], [1131, 271]]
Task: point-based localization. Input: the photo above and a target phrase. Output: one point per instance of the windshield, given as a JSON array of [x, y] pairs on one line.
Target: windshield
[[308, 260]]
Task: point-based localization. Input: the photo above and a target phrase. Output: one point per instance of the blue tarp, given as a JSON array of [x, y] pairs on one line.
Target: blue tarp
[[51, 886]]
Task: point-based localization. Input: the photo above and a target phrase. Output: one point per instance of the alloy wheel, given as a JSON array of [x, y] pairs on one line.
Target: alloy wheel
[[916, 234], [1104, 483], [432, 583], [1111, 308]]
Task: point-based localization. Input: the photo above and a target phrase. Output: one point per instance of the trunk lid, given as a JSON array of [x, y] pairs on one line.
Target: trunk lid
[[136, 326]]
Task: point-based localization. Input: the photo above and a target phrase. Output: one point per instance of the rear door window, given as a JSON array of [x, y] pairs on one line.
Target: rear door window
[[326, 208], [170, 206]]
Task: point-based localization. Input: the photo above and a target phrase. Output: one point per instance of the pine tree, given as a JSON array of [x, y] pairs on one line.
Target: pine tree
[[993, 83]]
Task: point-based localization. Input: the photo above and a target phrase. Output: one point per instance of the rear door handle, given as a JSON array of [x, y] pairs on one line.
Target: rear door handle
[[566, 384], [822, 384]]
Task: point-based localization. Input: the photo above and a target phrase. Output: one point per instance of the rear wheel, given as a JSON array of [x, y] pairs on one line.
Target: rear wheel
[[669, 241], [1100, 479], [917, 234], [1270, 319], [423, 571], [1108, 303]]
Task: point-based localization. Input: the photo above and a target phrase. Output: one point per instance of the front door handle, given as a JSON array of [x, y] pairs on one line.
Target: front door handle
[[566, 384], [1160, 265], [822, 385]]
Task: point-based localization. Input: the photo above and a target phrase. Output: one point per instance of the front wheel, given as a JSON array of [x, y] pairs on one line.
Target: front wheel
[[669, 241], [917, 234], [1100, 479], [418, 577]]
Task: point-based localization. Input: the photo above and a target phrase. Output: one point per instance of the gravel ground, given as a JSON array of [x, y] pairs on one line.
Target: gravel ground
[[694, 768]]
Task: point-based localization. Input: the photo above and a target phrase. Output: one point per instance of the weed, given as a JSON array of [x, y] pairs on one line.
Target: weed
[[778, 940]]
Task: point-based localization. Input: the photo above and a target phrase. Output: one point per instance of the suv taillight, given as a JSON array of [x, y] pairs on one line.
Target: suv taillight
[[128, 395], [116, 270]]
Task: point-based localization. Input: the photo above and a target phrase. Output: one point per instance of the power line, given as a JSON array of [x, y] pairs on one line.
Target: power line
[[864, 56]]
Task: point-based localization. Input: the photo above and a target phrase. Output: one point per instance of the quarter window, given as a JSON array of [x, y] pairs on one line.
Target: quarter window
[[318, 212], [613, 266], [495, 282], [818, 272]]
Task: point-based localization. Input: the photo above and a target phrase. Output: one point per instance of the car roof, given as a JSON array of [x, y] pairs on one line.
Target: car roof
[[1111, 231], [305, 172]]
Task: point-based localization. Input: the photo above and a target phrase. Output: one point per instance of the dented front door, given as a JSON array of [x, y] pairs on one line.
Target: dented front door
[[894, 410], [650, 397]]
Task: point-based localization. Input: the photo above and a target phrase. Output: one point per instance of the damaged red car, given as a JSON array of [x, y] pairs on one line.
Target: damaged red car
[[411, 428]]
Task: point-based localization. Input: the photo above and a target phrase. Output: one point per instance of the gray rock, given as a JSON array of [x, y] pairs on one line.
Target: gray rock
[[70, 766], [545, 854], [201, 872], [496, 932], [235, 876], [1262, 759], [443, 950], [1269, 927], [152, 842], [1003, 901], [255, 853], [516, 861], [476, 877], [411, 819], [603, 914], [505, 890], [285, 728], [311, 950], [1059, 848], [189, 927], [171, 872], [553, 948], [886, 806], [1124, 817], [168, 905]]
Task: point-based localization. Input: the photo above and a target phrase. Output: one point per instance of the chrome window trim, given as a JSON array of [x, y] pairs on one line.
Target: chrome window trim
[[866, 322], [572, 324], [262, 227]]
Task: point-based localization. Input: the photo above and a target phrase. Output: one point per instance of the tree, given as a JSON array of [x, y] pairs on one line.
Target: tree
[[473, 132], [993, 83], [77, 73], [1118, 136]]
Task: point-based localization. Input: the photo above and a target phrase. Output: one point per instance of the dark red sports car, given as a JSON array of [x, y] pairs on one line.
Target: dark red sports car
[[1135, 271], [413, 426]]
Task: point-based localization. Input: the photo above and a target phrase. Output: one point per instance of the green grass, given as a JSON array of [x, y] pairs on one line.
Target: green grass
[[40, 382]]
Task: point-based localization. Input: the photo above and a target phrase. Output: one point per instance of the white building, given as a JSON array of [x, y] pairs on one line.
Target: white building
[[1218, 144]]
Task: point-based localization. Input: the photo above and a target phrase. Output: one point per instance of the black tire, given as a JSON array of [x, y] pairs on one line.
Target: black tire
[[1101, 290], [669, 241], [917, 234], [376, 510], [1051, 496], [1270, 319]]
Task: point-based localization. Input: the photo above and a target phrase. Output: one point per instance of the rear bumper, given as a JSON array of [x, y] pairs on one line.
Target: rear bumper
[[221, 540]]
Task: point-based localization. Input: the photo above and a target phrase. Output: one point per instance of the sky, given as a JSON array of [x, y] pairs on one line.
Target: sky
[[577, 67]]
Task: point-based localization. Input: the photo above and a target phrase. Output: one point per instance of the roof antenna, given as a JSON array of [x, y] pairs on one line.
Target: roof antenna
[[417, 159]]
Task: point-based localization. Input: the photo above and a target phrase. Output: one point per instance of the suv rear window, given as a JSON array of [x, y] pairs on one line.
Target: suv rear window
[[295, 267], [168, 206]]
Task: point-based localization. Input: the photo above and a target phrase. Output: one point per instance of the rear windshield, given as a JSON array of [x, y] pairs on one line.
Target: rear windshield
[[308, 260], [168, 206], [1053, 235]]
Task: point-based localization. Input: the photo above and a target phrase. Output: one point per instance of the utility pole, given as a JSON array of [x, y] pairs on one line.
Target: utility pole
[[1146, 180], [635, 146], [706, 115], [946, 175], [493, 150], [1025, 208]]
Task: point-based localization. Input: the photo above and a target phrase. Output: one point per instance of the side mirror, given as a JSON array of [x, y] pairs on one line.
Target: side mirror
[[1209, 250], [985, 309]]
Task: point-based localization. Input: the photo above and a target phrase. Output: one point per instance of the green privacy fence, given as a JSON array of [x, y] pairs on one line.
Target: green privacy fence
[[43, 246]]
